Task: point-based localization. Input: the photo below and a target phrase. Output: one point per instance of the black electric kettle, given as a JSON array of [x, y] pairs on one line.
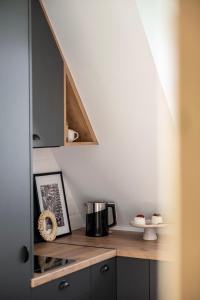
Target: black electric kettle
[[97, 218]]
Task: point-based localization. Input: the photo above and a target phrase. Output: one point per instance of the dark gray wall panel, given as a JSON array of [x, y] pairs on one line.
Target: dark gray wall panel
[[48, 86], [14, 149]]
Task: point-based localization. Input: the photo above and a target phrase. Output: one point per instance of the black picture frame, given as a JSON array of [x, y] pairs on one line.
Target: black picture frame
[[37, 207]]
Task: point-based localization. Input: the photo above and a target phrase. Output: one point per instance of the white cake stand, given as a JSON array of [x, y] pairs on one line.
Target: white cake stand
[[149, 229]]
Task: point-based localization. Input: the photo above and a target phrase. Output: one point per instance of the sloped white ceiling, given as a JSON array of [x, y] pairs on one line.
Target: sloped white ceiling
[[159, 19], [107, 51]]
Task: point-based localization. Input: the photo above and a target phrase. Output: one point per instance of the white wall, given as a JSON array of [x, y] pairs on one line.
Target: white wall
[[159, 19], [44, 162], [107, 51]]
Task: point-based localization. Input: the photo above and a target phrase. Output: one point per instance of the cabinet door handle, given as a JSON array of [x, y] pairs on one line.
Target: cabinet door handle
[[63, 285], [24, 254], [104, 269], [36, 137]]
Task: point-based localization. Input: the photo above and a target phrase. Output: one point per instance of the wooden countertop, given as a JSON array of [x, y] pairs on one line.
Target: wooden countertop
[[83, 256], [87, 251], [126, 243]]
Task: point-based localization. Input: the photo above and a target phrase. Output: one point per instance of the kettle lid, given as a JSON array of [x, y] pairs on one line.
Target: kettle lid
[[95, 206]]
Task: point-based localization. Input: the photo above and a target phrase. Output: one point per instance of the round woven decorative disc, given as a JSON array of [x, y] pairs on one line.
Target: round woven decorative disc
[[48, 235]]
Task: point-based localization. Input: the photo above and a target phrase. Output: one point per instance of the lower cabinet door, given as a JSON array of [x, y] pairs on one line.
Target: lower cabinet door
[[164, 267], [83, 297], [132, 279], [75, 286], [103, 280], [154, 280]]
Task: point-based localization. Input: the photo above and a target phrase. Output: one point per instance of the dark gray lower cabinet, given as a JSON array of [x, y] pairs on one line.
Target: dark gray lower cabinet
[[138, 278], [118, 278], [153, 280], [94, 283], [75, 286], [155, 267], [85, 296], [132, 279], [103, 280]]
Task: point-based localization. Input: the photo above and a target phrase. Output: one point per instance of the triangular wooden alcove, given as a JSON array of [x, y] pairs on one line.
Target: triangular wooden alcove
[[75, 115]]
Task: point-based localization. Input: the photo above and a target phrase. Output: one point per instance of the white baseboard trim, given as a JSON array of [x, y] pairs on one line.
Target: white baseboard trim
[[127, 228], [122, 228]]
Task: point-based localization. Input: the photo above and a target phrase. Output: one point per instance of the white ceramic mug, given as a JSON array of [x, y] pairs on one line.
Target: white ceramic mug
[[72, 135]]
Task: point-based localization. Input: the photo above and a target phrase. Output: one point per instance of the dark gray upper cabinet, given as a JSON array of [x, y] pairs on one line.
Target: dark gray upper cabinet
[[103, 280], [15, 197], [132, 279], [48, 83]]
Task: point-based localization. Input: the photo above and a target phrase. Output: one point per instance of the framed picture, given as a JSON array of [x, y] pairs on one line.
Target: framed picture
[[50, 195]]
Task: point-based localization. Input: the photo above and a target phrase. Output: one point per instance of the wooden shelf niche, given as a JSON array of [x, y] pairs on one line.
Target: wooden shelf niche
[[75, 115]]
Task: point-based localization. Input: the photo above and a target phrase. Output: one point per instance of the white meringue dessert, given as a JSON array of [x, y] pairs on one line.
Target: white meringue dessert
[[140, 220], [156, 219]]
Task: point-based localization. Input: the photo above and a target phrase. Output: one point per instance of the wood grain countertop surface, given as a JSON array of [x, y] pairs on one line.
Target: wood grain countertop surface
[[83, 256], [87, 251], [126, 243]]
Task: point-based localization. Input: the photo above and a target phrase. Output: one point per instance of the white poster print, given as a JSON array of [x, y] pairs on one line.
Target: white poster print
[[51, 201], [51, 197]]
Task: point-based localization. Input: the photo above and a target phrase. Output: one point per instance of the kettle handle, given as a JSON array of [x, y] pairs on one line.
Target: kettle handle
[[112, 205]]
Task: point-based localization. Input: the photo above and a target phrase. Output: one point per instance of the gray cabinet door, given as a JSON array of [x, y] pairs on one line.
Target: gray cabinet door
[[71, 287], [103, 280], [156, 267], [153, 280], [84, 297], [14, 150], [132, 279], [48, 83]]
